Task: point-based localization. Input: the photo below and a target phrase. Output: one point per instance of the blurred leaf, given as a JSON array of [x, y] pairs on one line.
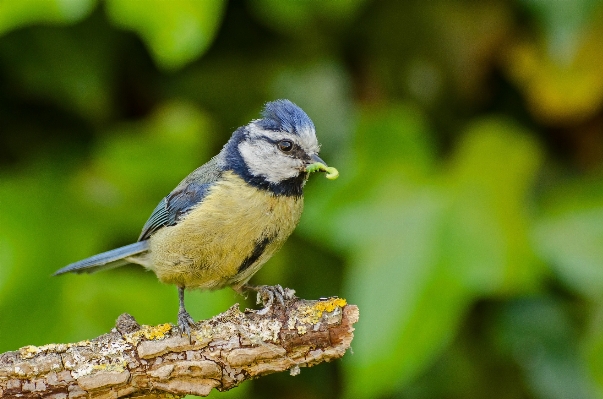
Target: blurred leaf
[[38, 228], [394, 141], [141, 162], [6, 258], [420, 252], [489, 223], [538, 334], [295, 17], [467, 37], [592, 348], [441, 54], [15, 14], [60, 66], [176, 31], [409, 303], [377, 195], [570, 235], [560, 92], [573, 244], [396, 137], [572, 194], [563, 23]]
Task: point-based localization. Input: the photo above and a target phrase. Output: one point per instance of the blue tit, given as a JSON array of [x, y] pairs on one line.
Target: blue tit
[[228, 217]]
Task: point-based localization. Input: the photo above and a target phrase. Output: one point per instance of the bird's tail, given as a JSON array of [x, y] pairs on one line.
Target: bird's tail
[[106, 260]]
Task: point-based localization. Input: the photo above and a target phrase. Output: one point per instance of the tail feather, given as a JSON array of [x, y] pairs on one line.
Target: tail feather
[[106, 260]]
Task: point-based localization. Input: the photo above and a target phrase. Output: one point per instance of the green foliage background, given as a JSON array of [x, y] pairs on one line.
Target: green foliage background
[[467, 223]]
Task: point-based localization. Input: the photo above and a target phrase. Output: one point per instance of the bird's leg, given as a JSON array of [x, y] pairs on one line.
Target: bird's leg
[[184, 319], [267, 294]]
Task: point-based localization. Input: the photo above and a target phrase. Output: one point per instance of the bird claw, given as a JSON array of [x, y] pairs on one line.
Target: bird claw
[[185, 322], [268, 294]]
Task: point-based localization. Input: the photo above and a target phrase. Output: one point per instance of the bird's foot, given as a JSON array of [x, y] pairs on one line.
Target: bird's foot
[[268, 294], [185, 321]]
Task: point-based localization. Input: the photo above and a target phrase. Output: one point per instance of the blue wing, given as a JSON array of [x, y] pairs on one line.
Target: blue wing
[[173, 207], [187, 195]]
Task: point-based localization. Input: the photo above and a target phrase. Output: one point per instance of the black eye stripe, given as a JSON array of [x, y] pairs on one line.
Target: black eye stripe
[[296, 151]]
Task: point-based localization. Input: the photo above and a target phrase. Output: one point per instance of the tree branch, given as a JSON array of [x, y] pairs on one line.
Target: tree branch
[[158, 362]]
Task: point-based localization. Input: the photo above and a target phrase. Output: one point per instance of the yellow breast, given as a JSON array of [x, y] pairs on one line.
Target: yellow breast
[[226, 239]]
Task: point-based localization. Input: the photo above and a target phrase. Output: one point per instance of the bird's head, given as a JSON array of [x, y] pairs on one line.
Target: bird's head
[[278, 151]]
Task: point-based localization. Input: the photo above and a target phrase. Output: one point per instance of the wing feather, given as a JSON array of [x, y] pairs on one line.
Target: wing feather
[[186, 196]]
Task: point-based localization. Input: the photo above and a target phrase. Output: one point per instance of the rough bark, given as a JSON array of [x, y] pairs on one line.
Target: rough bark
[[159, 362]]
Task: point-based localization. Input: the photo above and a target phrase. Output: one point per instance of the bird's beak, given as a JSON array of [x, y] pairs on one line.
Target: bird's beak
[[318, 165], [316, 159]]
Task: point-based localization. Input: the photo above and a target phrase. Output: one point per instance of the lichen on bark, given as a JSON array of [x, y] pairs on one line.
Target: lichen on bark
[[160, 362]]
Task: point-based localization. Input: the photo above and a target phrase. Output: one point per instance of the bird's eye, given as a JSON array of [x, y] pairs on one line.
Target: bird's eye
[[285, 145]]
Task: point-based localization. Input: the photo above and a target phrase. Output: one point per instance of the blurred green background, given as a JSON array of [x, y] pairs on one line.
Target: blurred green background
[[467, 223]]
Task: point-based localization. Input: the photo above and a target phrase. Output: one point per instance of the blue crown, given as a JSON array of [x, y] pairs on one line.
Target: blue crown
[[285, 116]]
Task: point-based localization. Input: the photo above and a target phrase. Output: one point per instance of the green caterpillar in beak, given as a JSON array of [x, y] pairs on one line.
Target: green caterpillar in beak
[[331, 172]]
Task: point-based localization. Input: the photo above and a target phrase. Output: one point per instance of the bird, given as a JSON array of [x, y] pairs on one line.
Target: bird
[[229, 216]]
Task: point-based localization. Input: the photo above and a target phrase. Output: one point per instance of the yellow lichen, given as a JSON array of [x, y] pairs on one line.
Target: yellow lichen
[[330, 305], [121, 366], [311, 314], [149, 332], [29, 351]]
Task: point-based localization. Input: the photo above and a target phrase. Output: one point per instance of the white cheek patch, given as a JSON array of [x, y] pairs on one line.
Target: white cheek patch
[[264, 159]]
